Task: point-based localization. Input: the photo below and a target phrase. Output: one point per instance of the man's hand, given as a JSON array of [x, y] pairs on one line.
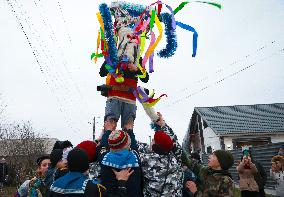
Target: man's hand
[[160, 121], [191, 186], [132, 67], [123, 174]]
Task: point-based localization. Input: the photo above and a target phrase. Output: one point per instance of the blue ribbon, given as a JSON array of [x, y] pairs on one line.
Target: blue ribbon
[[195, 35]]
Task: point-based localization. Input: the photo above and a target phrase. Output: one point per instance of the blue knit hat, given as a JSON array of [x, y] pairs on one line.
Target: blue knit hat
[[121, 159]]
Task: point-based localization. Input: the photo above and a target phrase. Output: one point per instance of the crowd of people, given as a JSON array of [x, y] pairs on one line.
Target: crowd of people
[[122, 166], [126, 167], [252, 175]]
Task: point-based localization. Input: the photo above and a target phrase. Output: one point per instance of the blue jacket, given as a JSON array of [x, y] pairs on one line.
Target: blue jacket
[[76, 184]]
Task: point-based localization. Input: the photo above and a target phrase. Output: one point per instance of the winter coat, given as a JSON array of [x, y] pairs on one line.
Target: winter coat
[[279, 178], [76, 184], [53, 174], [117, 161], [247, 181], [163, 174], [108, 177], [217, 183], [32, 188], [260, 177]]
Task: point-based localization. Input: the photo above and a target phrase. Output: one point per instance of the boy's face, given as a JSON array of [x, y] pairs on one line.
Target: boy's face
[[110, 124], [213, 161], [61, 164]]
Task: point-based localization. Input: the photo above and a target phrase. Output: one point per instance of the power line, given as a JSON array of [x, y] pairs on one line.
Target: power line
[[235, 62], [36, 53], [222, 79], [64, 21]]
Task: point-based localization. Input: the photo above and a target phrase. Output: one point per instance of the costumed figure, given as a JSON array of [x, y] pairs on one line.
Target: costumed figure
[[122, 45]]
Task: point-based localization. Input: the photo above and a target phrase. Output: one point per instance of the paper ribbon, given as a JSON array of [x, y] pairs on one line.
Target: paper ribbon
[[195, 35]]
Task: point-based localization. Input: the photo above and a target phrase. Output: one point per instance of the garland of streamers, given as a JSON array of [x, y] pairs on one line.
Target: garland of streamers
[[112, 58], [171, 45], [148, 17]]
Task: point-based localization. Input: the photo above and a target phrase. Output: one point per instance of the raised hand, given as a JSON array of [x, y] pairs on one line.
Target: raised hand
[[191, 186], [160, 121], [132, 67], [123, 174]]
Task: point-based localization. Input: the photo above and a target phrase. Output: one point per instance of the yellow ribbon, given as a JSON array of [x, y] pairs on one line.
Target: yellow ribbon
[[142, 47], [100, 19], [142, 42], [152, 48], [98, 45]]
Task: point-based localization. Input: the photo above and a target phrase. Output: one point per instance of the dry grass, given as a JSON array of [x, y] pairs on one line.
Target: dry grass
[[8, 191]]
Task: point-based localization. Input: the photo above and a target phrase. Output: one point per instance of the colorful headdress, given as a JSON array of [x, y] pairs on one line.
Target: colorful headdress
[[137, 22]]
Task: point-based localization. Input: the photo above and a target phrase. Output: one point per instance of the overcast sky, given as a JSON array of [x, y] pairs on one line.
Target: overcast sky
[[240, 60]]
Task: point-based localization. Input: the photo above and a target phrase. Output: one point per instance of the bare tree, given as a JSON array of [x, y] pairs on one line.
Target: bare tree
[[2, 110], [21, 145]]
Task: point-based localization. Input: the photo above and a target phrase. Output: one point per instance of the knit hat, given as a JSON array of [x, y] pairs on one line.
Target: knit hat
[[62, 144], [40, 159], [90, 148], [163, 140], [55, 157], [118, 140], [78, 160], [225, 158]]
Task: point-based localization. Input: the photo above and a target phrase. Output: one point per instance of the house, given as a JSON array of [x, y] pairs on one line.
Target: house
[[231, 127], [22, 147]]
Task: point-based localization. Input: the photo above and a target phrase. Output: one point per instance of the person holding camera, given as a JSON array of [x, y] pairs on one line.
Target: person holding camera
[[120, 98], [260, 177], [247, 171]]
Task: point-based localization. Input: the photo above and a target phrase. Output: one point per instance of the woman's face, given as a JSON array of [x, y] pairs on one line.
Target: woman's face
[[44, 166], [277, 166]]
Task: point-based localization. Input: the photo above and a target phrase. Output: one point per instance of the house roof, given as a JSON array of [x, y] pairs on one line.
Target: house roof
[[12, 147], [240, 119]]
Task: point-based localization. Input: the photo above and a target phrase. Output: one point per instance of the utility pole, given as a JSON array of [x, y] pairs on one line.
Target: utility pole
[[94, 129]]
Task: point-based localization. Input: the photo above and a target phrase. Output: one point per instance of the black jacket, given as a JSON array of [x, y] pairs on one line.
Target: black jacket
[[115, 188], [133, 186], [260, 177]]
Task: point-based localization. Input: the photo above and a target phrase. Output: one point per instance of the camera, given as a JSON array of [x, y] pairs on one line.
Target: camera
[[103, 89]]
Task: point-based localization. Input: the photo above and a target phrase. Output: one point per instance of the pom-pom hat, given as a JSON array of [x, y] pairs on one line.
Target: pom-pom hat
[[118, 140]]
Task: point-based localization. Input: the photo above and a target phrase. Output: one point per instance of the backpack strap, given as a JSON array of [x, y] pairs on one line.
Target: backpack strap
[[99, 186]]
